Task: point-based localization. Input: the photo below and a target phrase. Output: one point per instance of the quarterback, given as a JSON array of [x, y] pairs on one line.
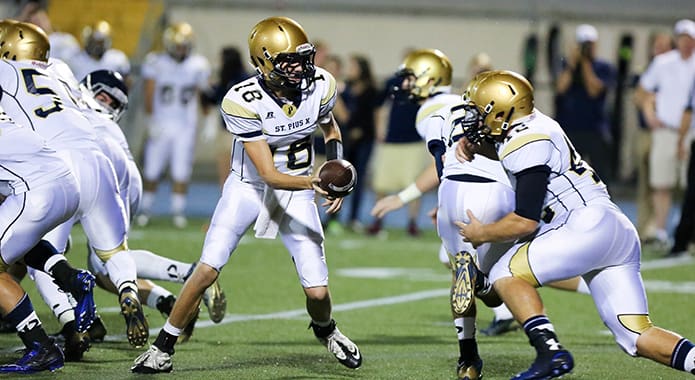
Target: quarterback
[[273, 117], [559, 199]]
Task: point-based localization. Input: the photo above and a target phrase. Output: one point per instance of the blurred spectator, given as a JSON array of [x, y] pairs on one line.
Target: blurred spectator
[[659, 43], [334, 65], [97, 53], [358, 129], [581, 101], [663, 94], [399, 156], [479, 63], [231, 72], [686, 226], [173, 82]]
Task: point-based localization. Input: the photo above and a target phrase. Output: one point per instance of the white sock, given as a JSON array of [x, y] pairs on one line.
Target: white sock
[[178, 203], [583, 287], [156, 292], [465, 328], [61, 303], [502, 312], [171, 329], [147, 202], [689, 364], [155, 267], [121, 268]]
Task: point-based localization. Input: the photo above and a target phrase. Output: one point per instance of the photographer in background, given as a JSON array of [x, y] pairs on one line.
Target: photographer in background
[[581, 101]]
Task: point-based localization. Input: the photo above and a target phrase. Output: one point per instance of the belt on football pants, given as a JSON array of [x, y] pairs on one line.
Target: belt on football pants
[[468, 178]]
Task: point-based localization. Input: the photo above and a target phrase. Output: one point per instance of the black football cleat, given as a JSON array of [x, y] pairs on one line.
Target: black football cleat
[[548, 366], [97, 331], [469, 369]]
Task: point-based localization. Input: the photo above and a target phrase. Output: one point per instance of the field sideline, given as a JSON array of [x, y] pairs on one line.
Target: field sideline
[[390, 297]]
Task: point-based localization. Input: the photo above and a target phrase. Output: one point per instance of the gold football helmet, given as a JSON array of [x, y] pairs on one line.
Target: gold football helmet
[[96, 38], [280, 51], [501, 97], [21, 40], [178, 40], [423, 72]]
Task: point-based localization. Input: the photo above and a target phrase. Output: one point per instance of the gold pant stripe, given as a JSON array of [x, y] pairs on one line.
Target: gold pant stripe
[[520, 267], [106, 255], [637, 323]]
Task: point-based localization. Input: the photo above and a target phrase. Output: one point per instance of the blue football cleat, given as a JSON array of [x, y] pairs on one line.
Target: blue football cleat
[[548, 366], [39, 358], [86, 309]]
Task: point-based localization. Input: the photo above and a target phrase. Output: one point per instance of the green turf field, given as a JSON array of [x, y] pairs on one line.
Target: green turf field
[[390, 297]]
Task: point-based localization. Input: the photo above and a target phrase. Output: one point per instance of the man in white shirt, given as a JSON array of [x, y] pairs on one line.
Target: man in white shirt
[[663, 95]]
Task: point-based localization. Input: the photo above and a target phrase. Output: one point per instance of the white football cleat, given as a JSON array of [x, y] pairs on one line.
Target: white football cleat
[[153, 360]]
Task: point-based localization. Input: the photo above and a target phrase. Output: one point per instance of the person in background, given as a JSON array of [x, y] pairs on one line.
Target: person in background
[[659, 43], [662, 95], [359, 98], [97, 53], [581, 100], [64, 46], [231, 72], [399, 157], [174, 80], [686, 226]]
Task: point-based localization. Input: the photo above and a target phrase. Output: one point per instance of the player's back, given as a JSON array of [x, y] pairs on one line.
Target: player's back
[[25, 159], [540, 140], [34, 97]]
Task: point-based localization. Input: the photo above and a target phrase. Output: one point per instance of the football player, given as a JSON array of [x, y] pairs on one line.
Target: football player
[[38, 192], [559, 199], [272, 117], [97, 53], [173, 82], [33, 96], [481, 185]]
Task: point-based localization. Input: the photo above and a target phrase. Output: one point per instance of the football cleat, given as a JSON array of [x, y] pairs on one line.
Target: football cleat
[[549, 366], [215, 301], [76, 344], [97, 331], [180, 221], [137, 328], [153, 360], [142, 220], [85, 310], [187, 331], [338, 344], [38, 358], [462, 290], [469, 369], [500, 326]]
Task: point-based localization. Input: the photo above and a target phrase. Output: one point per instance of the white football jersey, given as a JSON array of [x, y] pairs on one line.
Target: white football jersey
[[34, 97], [177, 84], [114, 60], [64, 46], [25, 159], [252, 113], [433, 123], [540, 140]]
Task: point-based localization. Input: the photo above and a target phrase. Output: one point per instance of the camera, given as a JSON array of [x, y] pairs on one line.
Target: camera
[[585, 49]]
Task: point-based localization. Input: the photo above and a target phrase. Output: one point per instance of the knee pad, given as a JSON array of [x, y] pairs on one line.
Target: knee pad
[[628, 329], [106, 255]]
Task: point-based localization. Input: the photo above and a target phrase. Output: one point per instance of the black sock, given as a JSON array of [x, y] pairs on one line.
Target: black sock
[[165, 342], [63, 274], [37, 256], [35, 334], [541, 335], [323, 331], [469, 349]]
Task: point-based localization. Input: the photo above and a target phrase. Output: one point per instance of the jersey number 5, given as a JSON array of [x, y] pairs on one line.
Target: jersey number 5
[[32, 88]]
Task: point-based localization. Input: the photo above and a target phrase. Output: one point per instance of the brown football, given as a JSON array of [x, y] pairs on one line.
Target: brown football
[[338, 177]]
